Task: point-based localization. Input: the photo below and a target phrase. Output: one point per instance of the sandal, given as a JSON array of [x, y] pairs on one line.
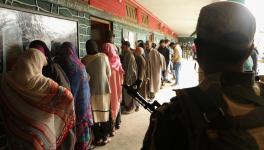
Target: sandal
[[91, 147], [112, 134], [99, 143], [117, 126], [106, 141]]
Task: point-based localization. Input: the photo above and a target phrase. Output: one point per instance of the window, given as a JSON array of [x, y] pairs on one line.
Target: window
[[131, 12], [145, 20]]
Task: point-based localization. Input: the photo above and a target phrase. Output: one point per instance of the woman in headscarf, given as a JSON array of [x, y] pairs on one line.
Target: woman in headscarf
[[79, 83], [52, 70], [116, 78], [55, 72], [36, 111], [97, 65]]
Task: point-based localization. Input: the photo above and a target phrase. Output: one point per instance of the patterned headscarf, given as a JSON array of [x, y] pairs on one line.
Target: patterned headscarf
[[40, 45], [39, 113]]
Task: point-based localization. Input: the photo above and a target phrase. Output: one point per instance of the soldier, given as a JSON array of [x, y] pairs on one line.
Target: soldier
[[225, 111]]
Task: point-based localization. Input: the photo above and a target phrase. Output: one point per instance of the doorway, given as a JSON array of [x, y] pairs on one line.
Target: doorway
[[98, 30]]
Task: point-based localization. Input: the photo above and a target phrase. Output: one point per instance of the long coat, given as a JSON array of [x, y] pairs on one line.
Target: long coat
[[130, 76], [157, 63], [99, 69], [142, 74]]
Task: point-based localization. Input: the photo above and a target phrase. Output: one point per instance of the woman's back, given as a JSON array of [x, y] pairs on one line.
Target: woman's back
[[29, 101], [98, 68]]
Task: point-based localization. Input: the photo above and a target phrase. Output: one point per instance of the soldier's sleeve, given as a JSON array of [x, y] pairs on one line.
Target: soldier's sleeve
[[166, 130]]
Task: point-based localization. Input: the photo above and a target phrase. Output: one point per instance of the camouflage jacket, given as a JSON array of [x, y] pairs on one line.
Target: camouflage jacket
[[169, 127]]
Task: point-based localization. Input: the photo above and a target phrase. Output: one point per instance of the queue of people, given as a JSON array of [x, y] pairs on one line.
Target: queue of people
[[90, 89], [77, 103]]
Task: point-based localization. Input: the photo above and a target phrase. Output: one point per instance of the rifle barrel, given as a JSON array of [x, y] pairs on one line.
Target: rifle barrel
[[141, 100]]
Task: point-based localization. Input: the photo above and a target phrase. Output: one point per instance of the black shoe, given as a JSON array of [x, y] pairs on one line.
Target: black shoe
[[117, 126]]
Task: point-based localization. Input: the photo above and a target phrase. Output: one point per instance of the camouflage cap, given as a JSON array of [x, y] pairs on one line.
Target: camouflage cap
[[226, 23]]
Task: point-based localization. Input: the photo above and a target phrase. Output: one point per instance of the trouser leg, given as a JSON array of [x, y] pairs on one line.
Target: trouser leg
[[118, 119], [96, 132], [104, 130], [177, 71]]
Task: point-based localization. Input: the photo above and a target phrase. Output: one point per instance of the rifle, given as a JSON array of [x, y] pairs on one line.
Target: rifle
[[132, 90]]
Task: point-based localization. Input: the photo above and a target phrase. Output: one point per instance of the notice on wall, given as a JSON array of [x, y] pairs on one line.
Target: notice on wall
[[18, 29]]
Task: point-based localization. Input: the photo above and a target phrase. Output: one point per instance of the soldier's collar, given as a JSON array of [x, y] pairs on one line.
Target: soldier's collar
[[235, 78]]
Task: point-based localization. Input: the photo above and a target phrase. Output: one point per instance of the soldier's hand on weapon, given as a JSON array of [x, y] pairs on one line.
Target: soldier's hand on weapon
[[137, 84]]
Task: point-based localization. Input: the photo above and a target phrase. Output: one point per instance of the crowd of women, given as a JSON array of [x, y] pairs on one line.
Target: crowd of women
[[54, 100]]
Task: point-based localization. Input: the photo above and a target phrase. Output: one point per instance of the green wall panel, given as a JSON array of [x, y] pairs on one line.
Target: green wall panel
[[117, 29], [84, 38], [86, 15], [89, 30], [64, 12], [54, 9], [83, 30], [82, 45], [73, 12], [44, 5], [29, 2], [24, 5], [81, 14], [142, 36], [84, 21], [100, 14], [158, 37]]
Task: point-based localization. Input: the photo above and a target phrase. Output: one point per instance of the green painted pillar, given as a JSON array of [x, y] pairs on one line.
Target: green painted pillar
[[238, 1]]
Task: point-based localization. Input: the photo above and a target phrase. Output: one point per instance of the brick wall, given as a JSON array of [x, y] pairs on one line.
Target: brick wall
[[117, 29], [118, 9], [153, 24], [111, 6], [142, 34]]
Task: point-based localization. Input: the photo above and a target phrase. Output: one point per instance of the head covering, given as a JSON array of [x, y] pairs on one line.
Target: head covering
[[91, 47], [67, 57], [80, 89], [172, 44], [228, 24], [39, 113], [40, 45], [114, 60], [109, 35], [139, 51], [140, 43], [126, 43]]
